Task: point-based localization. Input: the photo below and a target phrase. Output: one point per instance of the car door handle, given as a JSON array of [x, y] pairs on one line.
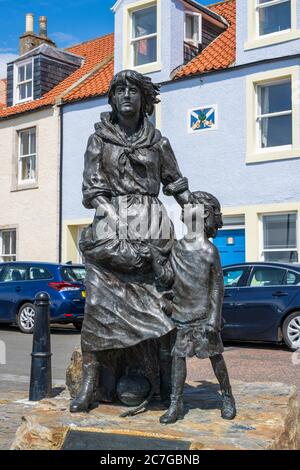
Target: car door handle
[[280, 294], [18, 289]]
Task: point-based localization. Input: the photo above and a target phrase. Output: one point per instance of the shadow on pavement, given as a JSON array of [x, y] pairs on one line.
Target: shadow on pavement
[[55, 329], [231, 345]]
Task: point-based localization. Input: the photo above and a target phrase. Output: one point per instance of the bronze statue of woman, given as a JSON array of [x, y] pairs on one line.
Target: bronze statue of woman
[[126, 162]]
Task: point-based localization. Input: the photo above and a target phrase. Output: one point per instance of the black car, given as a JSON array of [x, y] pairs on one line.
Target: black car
[[262, 303]]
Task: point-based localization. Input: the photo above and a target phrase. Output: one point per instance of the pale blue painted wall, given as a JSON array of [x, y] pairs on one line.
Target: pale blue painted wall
[[78, 125], [172, 38], [269, 52], [213, 161]]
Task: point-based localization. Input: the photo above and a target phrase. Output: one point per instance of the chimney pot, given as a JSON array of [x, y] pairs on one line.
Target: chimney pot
[[43, 26], [29, 23]]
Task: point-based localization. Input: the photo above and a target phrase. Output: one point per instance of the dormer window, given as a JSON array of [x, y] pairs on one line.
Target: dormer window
[[193, 28], [144, 36], [192, 35], [274, 16], [23, 82]]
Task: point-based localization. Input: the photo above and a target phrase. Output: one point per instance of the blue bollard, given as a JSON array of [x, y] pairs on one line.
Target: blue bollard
[[40, 375]]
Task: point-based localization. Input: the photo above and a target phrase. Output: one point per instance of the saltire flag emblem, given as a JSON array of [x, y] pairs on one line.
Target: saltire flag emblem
[[202, 118]]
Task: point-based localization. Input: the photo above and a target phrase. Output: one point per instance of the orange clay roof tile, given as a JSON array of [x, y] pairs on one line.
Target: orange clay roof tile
[[221, 53]]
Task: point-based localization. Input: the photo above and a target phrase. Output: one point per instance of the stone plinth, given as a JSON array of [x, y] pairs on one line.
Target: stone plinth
[[268, 418]]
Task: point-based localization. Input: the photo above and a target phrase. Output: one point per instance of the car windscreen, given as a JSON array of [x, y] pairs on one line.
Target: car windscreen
[[72, 273]]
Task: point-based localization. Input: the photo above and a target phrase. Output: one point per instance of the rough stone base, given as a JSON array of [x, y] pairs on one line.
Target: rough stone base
[[268, 418]]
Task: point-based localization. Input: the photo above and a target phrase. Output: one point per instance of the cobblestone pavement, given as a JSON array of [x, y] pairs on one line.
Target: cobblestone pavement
[[253, 363]]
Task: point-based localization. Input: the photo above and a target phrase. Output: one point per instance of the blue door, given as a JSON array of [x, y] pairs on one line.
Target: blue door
[[231, 245]]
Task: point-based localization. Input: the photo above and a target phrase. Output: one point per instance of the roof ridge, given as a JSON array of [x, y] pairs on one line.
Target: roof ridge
[[98, 67], [88, 41]]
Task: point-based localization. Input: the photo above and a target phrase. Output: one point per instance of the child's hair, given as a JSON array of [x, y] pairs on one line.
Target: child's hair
[[209, 201]]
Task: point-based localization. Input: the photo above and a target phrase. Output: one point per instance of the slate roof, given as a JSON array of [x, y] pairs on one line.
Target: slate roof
[[95, 52]]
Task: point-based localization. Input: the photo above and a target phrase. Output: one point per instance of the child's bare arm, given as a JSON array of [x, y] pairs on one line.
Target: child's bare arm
[[217, 291]]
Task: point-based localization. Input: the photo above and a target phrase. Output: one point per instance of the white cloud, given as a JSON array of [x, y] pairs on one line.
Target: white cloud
[[4, 59], [64, 39]]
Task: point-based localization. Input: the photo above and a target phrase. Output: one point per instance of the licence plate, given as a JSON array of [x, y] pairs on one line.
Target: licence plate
[[83, 293]]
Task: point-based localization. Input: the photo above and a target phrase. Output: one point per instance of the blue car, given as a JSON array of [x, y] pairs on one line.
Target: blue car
[[21, 281], [262, 303]]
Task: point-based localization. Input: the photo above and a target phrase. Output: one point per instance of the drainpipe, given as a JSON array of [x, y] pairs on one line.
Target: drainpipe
[[61, 114]]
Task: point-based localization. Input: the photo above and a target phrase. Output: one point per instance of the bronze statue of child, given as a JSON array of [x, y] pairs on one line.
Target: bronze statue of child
[[194, 268]]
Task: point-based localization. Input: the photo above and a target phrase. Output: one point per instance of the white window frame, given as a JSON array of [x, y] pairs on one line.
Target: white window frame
[[17, 84], [21, 157], [128, 40], [254, 152], [260, 116], [195, 16], [255, 40], [261, 231], [3, 257]]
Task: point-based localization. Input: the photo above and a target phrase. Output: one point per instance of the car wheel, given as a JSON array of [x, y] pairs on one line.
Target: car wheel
[[291, 331], [78, 325], [25, 318]]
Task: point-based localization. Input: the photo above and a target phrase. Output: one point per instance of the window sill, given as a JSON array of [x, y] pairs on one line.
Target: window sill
[[15, 103], [272, 155], [148, 68], [24, 186], [272, 39]]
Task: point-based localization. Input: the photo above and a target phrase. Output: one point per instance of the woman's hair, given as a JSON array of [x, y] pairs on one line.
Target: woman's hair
[[149, 91]]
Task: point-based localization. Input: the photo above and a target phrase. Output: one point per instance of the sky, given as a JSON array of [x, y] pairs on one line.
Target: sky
[[69, 22]]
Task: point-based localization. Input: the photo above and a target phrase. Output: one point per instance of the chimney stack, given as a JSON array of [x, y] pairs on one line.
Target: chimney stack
[[29, 23], [43, 26], [29, 40]]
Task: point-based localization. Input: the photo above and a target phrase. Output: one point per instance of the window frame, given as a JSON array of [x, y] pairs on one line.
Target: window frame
[[262, 250], [243, 278], [21, 157], [17, 84], [194, 15], [254, 152], [264, 266], [3, 257], [255, 41], [31, 266], [260, 6], [260, 116], [128, 41]]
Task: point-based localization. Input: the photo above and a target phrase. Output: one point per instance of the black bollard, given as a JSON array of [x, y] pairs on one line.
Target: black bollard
[[40, 376]]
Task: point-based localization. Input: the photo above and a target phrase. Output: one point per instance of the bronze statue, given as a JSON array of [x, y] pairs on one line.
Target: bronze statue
[[126, 162], [198, 287], [151, 302]]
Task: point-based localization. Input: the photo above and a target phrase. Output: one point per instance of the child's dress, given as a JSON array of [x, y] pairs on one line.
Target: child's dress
[[193, 293]]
